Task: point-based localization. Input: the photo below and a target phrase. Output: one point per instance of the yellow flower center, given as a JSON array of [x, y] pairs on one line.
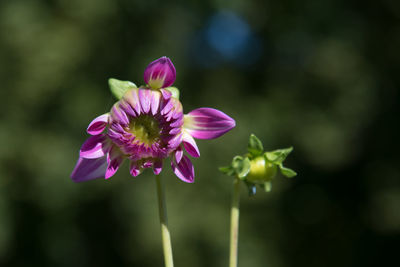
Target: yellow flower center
[[146, 129]]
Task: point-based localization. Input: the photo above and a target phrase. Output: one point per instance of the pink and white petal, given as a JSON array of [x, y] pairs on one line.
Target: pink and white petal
[[184, 169], [89, 169], [157, 167], [190, 145], [98, 125], [113, 166], [144, 97], [133, 99], [178, 154], [94, 147], [118, 115], [166, 94], [207, 123], [134, 169], [155, 103]]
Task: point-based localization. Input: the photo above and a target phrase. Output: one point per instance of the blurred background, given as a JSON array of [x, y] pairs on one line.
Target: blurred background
[[319, 75]]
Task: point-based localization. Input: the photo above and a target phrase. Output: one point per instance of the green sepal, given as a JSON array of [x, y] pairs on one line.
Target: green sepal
[[255, 147], [278, 156], [244, 168], [174, 91], [289, 173], [228, 170], [241, 166], [118, 88]]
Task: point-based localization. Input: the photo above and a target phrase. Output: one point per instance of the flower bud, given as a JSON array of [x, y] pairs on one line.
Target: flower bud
[[261, 171], [160, 73]]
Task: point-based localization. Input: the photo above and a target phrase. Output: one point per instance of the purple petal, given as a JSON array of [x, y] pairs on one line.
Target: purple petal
[[184, 169], [89, 169], [145, 99], [178, 154], [118, 115], [113, 166], [133, 99], [157, 167], [208, 123], [134, 169], [166, 94], [190, 145], [94, 147], [114, 159], [98, 125], [167, 107], [155, 103], [160, 73]]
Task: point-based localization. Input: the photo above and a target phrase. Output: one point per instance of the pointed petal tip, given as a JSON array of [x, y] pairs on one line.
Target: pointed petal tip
[[98, 125], [184, 170], [208, 123]]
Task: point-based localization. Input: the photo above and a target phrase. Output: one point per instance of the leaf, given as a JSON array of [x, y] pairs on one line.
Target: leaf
[[255, 146], [118, 88], [278, 156], [287, 172], [174, 91]]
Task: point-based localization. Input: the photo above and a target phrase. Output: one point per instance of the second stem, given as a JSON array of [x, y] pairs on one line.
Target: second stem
[[233, 255]]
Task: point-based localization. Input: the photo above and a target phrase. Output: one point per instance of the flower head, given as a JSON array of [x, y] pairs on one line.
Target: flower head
[[146, 126], [258, 167]]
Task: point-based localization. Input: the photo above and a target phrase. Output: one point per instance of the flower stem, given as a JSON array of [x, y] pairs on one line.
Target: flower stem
[[233, 255], [162, 211]]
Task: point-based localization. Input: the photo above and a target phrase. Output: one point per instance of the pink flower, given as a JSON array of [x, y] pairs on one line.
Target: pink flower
[[146, 126]]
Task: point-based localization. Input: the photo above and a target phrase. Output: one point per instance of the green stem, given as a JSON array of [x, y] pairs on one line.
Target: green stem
[[165, 236], [233, 255]]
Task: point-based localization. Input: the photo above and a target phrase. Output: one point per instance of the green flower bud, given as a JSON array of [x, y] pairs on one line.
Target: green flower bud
[[261, 171]]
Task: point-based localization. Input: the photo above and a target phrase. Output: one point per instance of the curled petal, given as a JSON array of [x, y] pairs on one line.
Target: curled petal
[[98, 125], [94, 147], [134, 169], [113, 166], [160, 73], [115, 159], [89, 169], [207, 123], [190, 145], [157, 167], [178, 154], [184, 169]]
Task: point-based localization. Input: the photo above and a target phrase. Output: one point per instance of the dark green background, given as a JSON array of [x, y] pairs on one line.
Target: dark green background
[[321, 75]]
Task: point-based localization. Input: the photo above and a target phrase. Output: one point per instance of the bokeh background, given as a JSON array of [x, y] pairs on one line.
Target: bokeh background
[[319, 75]]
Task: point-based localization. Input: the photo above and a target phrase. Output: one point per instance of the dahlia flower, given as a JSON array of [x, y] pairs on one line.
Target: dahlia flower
[[146, 126]]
